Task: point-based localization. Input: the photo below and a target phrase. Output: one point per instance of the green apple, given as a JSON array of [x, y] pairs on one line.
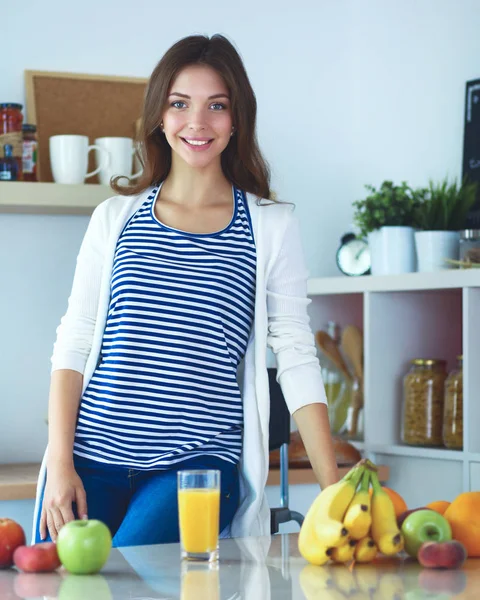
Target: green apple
[[424, 526], [84, 546]]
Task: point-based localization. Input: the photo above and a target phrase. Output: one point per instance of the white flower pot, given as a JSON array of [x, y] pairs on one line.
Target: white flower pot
[[392, 250], [433, 247]]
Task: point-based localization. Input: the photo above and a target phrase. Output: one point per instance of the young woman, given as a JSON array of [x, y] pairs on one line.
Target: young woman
[[182, 281]]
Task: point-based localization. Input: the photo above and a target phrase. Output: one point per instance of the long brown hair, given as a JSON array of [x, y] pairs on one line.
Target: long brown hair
[[242, 162]]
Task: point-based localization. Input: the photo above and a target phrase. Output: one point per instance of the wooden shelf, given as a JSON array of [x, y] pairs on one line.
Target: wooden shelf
[[22, 197], [416, 452], [448, 279], [18, 481], [306, 476]]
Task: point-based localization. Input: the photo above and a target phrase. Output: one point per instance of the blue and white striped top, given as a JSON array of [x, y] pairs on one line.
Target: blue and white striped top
[[180, 315]]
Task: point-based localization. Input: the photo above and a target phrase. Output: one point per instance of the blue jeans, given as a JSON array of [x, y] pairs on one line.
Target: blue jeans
[[140, 507]]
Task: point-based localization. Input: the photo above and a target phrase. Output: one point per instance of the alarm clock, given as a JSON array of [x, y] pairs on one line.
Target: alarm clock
[[353, 256]]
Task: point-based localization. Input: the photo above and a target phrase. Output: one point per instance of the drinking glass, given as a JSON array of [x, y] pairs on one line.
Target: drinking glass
[[199, 513]]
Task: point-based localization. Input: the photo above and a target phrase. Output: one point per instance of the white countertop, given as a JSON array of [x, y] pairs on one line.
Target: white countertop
[[248, 569]]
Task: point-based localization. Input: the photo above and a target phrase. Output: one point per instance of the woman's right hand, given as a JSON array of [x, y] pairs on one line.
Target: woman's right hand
[[63, 487]]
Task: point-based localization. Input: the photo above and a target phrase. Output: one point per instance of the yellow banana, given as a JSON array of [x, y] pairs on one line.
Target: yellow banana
[[385, 531], [345, 552], [330, 507], [358, 517], [310, 547], [366, 550]]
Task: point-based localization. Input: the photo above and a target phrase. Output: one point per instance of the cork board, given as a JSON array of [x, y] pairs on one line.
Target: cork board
[[79, 104]]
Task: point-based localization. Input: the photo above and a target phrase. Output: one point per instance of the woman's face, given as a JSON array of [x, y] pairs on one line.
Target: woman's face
[[198, 120]]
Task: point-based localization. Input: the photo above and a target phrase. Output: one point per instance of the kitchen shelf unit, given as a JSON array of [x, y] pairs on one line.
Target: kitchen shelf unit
[[23, 197], [416, 315]]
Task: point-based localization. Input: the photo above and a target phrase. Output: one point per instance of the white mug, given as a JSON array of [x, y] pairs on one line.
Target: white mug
[[121, 151], [69, 158]]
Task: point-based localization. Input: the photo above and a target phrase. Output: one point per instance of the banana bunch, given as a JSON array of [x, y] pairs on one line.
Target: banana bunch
[[346, 524]]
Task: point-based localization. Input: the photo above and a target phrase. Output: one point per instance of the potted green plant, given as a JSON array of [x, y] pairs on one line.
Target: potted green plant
[[386, 218], [441, 213]]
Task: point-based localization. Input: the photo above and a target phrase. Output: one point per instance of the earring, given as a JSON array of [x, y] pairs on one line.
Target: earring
[[233, 131], [161, 126]]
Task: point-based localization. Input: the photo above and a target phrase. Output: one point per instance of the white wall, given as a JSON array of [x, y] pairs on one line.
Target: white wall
[[349, 92]]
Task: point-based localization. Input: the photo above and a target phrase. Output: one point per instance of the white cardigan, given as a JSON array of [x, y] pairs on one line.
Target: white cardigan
[[281, 321]]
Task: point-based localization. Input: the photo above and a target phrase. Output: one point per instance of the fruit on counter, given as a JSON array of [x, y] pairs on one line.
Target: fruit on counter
[[398, 502], [442, 555], [11, 536], [424, 526], [439, 506], [385, 532], [401, 518], [323, 527], [331, 505], [84, 546], [463, 514], [366, 550], [358, 517], [39, 558], [345, 552]]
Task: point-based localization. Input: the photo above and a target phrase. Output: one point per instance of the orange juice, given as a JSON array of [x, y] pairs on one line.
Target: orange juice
[[199, 516]]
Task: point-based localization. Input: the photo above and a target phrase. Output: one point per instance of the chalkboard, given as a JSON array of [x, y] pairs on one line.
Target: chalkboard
[[471, 146]]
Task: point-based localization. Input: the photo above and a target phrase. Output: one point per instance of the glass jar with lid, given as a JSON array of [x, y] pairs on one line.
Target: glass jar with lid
[[29, 157], [470, 246], [11, 119], [423, 402], [453, 408]]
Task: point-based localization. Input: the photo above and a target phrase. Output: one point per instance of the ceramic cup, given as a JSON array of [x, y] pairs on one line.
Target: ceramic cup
[[69, 158], [121, 151]]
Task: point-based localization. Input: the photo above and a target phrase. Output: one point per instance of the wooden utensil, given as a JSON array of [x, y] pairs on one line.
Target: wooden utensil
[[352, 345], [331, 350]]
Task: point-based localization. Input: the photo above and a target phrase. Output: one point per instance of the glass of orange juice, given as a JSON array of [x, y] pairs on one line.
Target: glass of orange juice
[[199, 513]]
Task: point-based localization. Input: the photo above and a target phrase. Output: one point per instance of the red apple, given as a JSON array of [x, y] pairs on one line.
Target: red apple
[[442, 555], [11, 536], [39, 558]]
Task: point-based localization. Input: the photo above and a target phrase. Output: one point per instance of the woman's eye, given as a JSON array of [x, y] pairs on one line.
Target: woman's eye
[[176, 103], [218, 106]]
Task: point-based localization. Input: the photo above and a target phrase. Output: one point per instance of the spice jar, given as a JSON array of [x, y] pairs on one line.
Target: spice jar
[[29, 156], [11, 119], [423, 401], [453, 408], [470, 246]]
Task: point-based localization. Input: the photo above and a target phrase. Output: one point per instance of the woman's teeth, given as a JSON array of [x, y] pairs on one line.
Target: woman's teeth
[[197, 142]]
